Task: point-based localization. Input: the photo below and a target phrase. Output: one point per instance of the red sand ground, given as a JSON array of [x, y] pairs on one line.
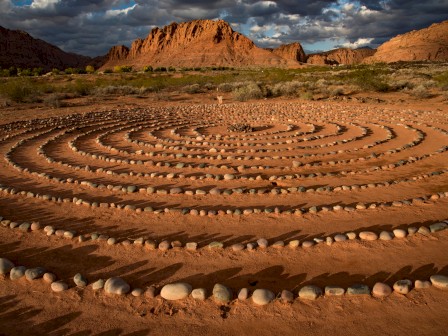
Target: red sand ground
[[32, 308]]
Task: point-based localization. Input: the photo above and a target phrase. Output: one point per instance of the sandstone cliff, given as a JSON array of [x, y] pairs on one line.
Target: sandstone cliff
[[19, 49], [196, 43], [340, 56], [292, 51], [428, 44]]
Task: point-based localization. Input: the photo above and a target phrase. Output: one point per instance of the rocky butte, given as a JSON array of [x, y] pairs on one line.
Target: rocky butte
[[201, 43]]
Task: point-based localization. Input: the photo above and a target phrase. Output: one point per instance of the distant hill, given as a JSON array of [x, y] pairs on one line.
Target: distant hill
[[19, 49], [202, 43], [340, 56], [428, 44]]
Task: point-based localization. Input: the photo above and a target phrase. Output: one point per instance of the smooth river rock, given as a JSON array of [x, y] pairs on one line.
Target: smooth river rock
[[116, 285], [380, 290], [439, 281], [176, 291], [310, 292], [222, 294], [5, 265], [262, 297]]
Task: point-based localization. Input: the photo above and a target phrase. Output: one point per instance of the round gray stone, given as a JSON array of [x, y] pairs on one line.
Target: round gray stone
[[262, 297], [243, 294], [380, 290], [99, 284], [5, 266], [358, 289], [400, 233], [80, 280], [310, 292], [34, 273], [222, 294], [422, 284], [340, 237], [403, 286], [176, 291], [116, 285], [334, 291], [386, 235], [287, 296], [17, 272], [199, 294], [439, 281], [262, 243], [58, 286], [368, 235]]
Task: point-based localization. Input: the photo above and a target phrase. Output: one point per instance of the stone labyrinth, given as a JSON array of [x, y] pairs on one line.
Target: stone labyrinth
[[265, 202]]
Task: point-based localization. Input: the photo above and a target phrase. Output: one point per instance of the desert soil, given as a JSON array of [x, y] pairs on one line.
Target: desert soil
[[334, 131]]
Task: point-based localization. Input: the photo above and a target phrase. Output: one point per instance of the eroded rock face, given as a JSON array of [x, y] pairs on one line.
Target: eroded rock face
[[344, 56], [428, 44], [200, 43], [292, 51], [19, 49]]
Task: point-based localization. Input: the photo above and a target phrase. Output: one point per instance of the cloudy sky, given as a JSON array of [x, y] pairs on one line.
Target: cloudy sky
[[92, 27]]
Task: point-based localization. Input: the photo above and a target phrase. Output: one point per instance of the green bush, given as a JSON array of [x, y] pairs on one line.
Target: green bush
[[122, 68], [369, 79], [148, 68], [18, 91]]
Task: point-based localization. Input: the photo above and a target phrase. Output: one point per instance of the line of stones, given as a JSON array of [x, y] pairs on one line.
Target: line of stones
[[260, 244], [216, 191], [244, 157], [131, 189], [221, 294], [258, 177]]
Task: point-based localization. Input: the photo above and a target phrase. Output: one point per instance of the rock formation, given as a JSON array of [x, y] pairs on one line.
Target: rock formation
[[199, 43], [19, 49], [340, 56], [428, 44], [292, 51]]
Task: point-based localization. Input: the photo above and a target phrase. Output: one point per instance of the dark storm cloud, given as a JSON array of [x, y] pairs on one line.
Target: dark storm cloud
[[92, 27]]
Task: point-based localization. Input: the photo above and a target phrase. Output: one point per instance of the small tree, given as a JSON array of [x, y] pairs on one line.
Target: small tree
[[148, 68], [90, 69]]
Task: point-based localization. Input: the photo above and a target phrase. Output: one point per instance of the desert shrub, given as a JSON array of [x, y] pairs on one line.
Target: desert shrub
[[122, 90], [18, 91], [122, 68], [55, 71], [369, 79], [209, 86], [250, 91], [421, 92], [442, 80], [171, 69], [336, 92], [193, 88], [306, 95], [25, 72], [80, 87], [286, 89], [225, 87], [54, 100], [160, 69], [148, 68], [107, 71]]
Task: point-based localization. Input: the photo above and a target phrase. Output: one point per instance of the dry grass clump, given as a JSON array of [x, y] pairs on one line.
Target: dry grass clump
[[192, 89], [249, 91], [121, 90]]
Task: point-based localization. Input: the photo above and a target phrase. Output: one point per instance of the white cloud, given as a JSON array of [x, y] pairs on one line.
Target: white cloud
[[361, 42], [44, 4], [116, 12]]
